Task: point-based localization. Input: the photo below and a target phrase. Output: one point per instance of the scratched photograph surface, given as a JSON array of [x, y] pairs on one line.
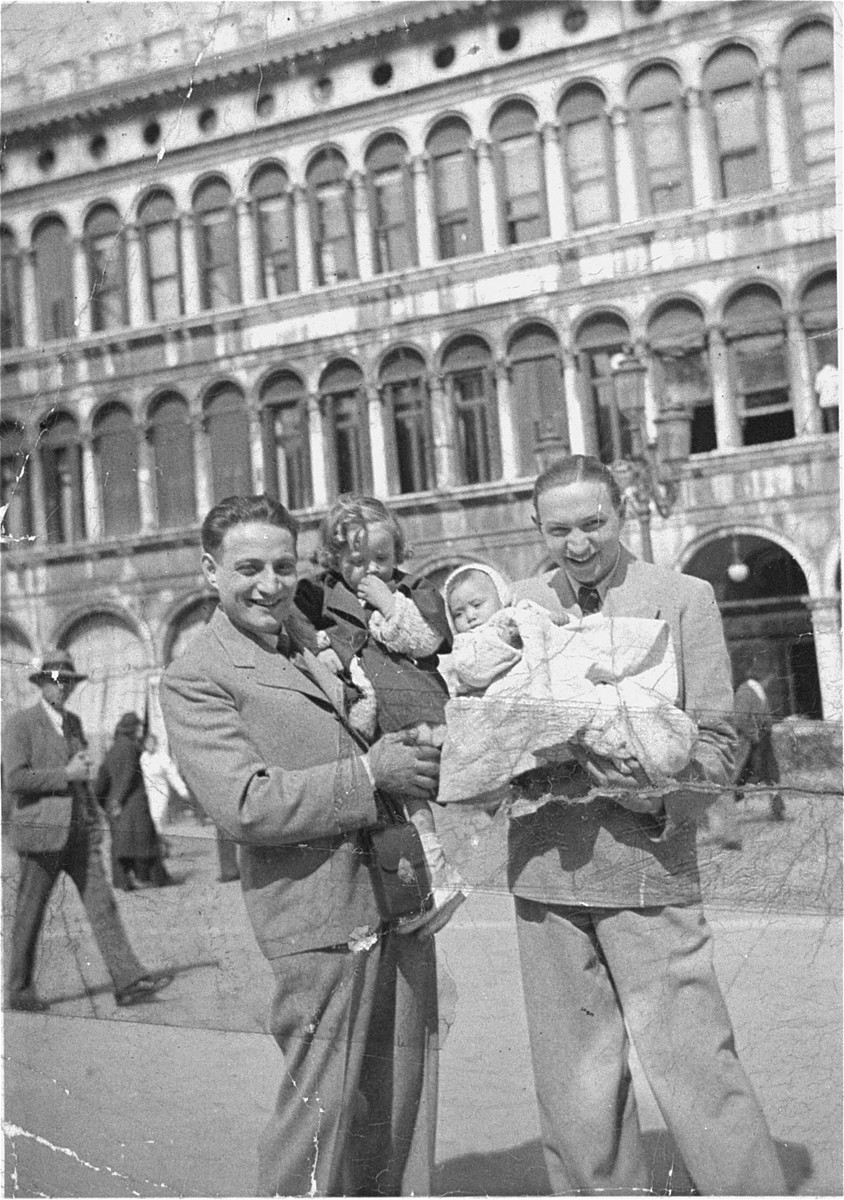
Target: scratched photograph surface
[[476, 830]]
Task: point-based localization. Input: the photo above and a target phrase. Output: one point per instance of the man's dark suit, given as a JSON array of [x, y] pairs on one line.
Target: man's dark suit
[[613, 939], [55, 828]]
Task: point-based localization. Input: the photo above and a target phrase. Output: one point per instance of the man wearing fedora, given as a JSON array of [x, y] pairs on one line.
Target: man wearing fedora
[[55, 827]]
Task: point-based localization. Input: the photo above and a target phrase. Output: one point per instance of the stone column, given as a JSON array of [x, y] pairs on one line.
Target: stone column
[[491, 238], [304, 249], [807, 414], [643, 352], [190, 266], [510, 464], [30, 317], [423, 210], [826, 628], [776, 129], [555, 183], [701, 164], [445, 443], [91, 492], [727, 424], [146, 478], [625, 174], [135, 278], [202, 465], [247, 253], [579, 435], [39, 505], [316, 443], [377, 442], [256, 448], [585, 406], [363, 241], [82, 289]]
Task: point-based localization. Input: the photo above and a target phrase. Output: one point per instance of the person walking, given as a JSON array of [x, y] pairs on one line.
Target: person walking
[[258, 728], [119, 786], [55, 827], [612, 936], [756, 760]]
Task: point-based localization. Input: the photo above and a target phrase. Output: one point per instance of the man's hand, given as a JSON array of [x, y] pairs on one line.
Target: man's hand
[[375, 592], [406, 772], [78, 770], [623, 781]]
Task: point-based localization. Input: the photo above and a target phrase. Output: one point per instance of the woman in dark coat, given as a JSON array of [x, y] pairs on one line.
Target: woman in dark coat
[[135, 850]]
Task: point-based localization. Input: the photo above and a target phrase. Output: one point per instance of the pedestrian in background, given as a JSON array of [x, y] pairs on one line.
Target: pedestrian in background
[[756, 760], [161, 780], [136, 860], [55, 827]]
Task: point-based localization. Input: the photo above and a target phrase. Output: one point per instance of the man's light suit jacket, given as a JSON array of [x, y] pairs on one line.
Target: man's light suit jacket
[[599, 853], [35, 756], [264, 751]]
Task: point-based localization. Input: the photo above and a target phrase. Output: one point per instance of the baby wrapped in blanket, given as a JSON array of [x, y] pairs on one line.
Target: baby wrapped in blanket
[[527, 686]]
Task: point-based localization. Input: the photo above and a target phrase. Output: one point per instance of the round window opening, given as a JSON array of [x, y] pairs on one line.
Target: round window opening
[[207, 120], [574, 18], [444, 57], [382, 74], [46, 158], [97, 145], [265, 105], [508, 39], [323, 89], [152, 132]]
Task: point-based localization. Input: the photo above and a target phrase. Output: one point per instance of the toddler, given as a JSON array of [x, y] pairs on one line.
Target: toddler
[[381, 630], [549, 683]]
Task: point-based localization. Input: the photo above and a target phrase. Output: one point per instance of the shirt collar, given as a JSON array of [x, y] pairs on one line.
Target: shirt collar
[[56, 719], [602, 586]]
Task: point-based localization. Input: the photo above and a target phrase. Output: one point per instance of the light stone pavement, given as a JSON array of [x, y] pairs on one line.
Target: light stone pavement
[[168, 1098]]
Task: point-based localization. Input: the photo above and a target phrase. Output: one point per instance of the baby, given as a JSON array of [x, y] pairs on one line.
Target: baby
[[528, 686]]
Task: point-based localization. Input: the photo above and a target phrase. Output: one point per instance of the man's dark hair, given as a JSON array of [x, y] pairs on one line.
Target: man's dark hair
[[241, 510], [577, 468]]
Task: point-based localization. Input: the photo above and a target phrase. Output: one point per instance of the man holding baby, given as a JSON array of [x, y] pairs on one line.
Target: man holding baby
[[612, 934]]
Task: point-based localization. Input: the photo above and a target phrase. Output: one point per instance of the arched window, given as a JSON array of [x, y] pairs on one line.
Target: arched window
[[53, 279], [390, 192], [14, 482], [227, 427], [659, 130], [407, 415], [819, 316], [759, 368], [537, 398], [16, 653], [160, 233], [216, 245], [60, 449], [332, 226], [106, 268], [107, 649], [470, 384], [734, 104], [344, 407], [598, 340], [455, 182], [522, 202], [116, 453], [284, 424], [587, 153], [809, 86], [276, 242], [171, 438], [677, 339], [11, 328]]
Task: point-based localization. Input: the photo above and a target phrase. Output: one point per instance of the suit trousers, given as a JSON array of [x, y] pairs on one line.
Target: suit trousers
[[356, 1111], [592, 975], [81, 859]]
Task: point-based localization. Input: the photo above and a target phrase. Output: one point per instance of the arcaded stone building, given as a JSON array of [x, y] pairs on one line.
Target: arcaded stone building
[[398, 247]]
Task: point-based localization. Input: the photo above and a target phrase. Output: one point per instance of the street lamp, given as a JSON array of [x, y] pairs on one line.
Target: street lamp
[[648, 478]]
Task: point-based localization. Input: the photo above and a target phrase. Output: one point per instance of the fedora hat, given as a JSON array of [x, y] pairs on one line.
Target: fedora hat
[[56, 665]]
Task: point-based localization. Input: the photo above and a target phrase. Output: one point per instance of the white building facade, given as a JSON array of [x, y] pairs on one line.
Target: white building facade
[[397, 253]]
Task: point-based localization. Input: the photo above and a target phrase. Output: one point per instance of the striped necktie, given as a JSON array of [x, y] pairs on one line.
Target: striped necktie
[[589, 599]]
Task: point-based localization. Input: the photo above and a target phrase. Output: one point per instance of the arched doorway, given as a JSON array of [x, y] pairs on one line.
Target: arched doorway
[[765, 614]]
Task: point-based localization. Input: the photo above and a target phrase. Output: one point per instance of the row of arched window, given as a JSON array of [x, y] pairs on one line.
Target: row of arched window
[[461, 197], [476, 415]]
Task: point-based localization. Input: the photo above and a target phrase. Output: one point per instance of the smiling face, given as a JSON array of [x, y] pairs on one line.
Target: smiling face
[[254, 575], [580, 528], [472, 601], [377, 557]]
